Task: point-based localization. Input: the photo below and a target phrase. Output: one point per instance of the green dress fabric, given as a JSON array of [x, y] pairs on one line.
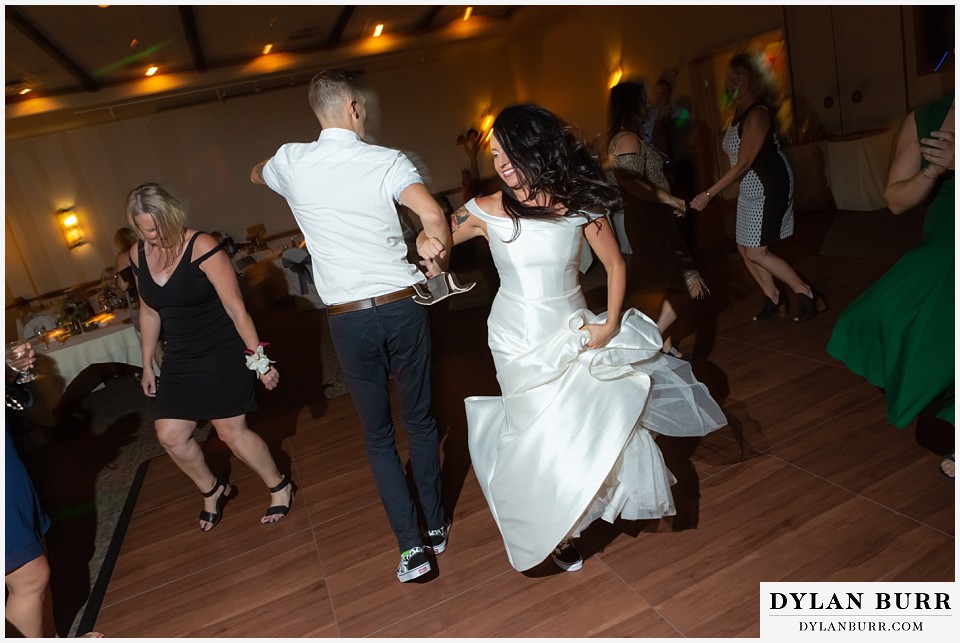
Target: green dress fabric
[[899, 334]]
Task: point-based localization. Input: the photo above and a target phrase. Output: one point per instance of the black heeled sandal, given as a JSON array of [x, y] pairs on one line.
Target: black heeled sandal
[[809, 306], [209, 516], [281, 510], [771, 308]]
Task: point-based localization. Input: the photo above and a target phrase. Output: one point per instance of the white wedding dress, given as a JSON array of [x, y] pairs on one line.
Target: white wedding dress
[[571, 439]]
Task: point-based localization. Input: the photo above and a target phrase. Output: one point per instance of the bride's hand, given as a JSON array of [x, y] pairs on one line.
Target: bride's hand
[[431, 268], [600, 334]]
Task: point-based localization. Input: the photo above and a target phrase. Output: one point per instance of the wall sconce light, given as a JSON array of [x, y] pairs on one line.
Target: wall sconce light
[[70, 227], [615, 76], [486, 126]]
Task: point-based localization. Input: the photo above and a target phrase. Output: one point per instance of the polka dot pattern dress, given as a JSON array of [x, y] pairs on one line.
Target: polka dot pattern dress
[[765, 204]]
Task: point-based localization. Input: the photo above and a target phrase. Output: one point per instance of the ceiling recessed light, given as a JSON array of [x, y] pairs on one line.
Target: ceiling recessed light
[[467, 13], [152, 70], [25, 90], [377, 31], [267, 49], [134, 42]]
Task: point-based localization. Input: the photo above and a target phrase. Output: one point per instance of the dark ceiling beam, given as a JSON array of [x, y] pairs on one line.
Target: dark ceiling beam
[[188, 18], [25, 27], [337, 33], [428, 19]]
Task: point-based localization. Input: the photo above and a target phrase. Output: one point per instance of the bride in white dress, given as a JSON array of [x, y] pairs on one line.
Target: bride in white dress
[[572, 437]]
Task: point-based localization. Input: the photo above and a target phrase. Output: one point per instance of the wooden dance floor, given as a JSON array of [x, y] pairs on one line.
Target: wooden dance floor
[[807, 483]]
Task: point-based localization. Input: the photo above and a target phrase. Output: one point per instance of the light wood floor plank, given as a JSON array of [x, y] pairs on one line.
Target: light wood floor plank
[[807, 483]]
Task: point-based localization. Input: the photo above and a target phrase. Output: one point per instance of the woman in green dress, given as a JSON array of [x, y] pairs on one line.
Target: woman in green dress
[[899, 334]]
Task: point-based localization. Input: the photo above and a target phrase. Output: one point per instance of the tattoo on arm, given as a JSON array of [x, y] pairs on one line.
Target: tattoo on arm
[[459, 217]]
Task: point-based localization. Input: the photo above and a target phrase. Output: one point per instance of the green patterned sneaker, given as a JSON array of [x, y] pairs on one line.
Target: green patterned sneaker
[[413, 564], [436, 539]]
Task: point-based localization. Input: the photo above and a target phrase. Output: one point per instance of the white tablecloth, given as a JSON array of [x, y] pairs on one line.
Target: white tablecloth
[[60, 365], [856, 168], [311, 297], [26, 328]]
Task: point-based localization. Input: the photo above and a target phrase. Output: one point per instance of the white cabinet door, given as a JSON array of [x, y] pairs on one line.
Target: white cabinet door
[[813, 65], [870, 69], [847, 64]]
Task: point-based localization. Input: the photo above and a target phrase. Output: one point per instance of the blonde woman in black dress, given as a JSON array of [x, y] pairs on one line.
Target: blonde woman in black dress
[[213, 354], [765, 204]]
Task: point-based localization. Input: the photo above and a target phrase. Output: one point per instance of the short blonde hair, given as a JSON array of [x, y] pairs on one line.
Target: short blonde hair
[[332, 88], [746, 63], [166, 211]]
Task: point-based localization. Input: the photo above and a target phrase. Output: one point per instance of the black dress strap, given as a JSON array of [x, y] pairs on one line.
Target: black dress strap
[[205, 255], [141, 257]]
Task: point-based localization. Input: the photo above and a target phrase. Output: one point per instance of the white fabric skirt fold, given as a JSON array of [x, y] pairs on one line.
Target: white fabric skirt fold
[[571, 438]]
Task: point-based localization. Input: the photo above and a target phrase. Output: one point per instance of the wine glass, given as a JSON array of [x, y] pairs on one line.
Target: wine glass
[[16, 352], [41, 334]]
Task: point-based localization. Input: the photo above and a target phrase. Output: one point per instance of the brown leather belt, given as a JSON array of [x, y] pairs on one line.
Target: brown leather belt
[[363, 304]]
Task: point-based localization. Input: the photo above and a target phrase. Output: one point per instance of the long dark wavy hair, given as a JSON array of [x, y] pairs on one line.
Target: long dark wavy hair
[[628, 108], [551, 161]]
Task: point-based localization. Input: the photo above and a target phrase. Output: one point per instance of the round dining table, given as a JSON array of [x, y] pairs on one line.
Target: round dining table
[[59, 365]]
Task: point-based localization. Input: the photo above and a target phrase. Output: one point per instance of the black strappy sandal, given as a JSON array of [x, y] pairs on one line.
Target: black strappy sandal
[[281, 510], [211, 517]]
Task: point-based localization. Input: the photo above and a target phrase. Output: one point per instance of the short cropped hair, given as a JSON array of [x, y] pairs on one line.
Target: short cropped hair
[[332, 88]]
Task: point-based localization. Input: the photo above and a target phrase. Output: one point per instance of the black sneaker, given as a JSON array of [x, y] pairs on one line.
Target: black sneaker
[[413, 563], [567, 557], [436, 539]]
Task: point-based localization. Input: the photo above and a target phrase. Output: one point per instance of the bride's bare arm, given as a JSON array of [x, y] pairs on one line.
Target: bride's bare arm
[[604, 245], [465, 226]]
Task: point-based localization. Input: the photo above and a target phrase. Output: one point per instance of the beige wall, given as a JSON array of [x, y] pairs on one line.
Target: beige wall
[[204, 153], [558, 56]]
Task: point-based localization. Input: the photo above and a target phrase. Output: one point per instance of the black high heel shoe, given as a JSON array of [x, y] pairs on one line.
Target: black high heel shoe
[[809, 306], [209, 516], [281, 510], [771, 308]]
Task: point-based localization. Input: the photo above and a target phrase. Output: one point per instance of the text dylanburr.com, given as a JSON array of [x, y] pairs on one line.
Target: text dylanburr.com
[[860, 611]]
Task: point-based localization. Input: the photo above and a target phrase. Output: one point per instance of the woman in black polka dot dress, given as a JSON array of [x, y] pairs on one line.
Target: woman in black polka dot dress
[[765, 204]]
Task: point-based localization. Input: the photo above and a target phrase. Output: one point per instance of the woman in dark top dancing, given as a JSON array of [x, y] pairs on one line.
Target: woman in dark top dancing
[[188, 287]]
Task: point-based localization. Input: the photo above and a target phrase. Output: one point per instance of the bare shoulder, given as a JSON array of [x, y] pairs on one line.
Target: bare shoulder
[[133, 254], [624, 142], [203, 244], [759, 116], [492, 204]]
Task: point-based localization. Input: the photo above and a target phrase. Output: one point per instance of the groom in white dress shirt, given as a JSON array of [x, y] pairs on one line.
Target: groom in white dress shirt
[[342, 192]]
